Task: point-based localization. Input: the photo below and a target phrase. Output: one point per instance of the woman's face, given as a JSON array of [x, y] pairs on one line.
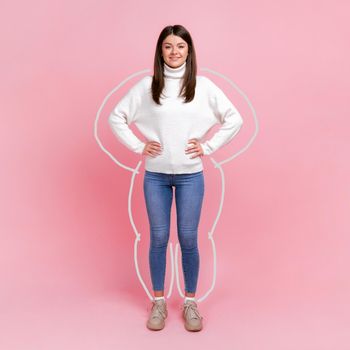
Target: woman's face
[[174, 50]]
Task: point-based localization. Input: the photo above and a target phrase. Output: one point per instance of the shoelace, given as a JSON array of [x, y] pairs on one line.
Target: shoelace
[[158, 310], [191, 310]]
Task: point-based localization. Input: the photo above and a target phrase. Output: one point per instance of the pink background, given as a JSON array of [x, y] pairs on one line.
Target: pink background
[[67, 272]]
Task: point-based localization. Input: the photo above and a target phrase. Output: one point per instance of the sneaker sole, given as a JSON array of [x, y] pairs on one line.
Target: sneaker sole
[[193, 329], [155, 328]]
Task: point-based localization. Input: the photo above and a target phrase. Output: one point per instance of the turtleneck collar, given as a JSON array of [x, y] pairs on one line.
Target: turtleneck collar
[[174, 73]]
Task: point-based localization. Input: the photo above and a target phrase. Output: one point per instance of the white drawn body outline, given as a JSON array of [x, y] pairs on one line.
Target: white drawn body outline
[[135, 171]]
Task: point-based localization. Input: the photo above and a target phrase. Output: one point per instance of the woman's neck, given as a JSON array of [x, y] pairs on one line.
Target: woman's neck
[[174, 73]]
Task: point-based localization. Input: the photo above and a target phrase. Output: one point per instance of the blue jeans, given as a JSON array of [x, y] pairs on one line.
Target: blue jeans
[[189, 192]]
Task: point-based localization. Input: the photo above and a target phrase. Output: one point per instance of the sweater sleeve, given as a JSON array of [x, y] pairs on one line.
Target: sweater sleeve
[[226, 114], [123, 115]]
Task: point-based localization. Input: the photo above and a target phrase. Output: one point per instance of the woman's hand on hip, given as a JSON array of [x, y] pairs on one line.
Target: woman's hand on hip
[[196, 148], [152, 148]]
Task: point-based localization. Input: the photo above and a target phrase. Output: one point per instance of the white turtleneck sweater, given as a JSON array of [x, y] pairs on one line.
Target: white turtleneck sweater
[[173, 123]]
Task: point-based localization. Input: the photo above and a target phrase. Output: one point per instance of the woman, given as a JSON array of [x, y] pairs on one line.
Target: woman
[[174, 109]]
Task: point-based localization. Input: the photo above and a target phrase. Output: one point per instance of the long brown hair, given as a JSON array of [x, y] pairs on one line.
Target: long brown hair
[[189, 80]]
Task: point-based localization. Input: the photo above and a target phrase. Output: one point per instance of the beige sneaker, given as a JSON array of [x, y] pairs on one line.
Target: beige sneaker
[[159, 313], [190, 313]]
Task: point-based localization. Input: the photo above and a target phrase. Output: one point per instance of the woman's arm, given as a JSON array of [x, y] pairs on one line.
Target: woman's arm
[[123, 115], [226, 114]]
